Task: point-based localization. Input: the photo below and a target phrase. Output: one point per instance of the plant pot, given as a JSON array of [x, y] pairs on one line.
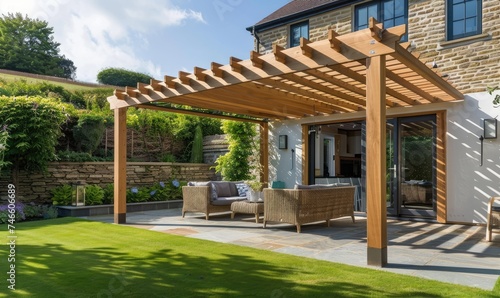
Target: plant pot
[[254, 196]]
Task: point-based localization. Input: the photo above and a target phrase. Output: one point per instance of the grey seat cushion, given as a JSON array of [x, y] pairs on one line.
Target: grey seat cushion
[[225, 201]]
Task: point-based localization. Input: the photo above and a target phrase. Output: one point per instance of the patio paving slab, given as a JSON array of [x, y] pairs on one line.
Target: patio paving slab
[[449, 253]]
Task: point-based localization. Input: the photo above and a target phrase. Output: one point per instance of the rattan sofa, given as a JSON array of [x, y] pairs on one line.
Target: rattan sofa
[[300, 206], [210, 197]]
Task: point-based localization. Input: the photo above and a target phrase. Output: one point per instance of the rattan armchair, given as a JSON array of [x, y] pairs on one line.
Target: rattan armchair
[[493, 218]]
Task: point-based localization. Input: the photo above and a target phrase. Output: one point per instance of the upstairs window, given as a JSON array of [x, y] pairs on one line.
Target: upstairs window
[[464, 18], [391, 13], [297, 31]]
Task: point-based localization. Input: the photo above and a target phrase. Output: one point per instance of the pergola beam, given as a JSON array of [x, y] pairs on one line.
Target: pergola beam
[[196, 113], [414, 64]]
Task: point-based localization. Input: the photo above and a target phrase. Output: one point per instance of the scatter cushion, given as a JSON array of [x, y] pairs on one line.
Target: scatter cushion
[[242, 189], [278, 185], [222, 188]]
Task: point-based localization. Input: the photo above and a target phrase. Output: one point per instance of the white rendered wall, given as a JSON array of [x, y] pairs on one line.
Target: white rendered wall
[[470, 185], [285, 165]]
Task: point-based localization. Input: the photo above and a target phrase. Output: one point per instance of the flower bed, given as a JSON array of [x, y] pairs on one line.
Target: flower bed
[[96, 195], [26, 212]]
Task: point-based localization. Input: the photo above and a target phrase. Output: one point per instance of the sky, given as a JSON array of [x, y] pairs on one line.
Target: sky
[[157, 37]]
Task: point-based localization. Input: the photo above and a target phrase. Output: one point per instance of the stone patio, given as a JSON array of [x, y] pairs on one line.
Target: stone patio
[[449, 253]]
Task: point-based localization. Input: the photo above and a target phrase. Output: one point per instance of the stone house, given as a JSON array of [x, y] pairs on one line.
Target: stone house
[[457, 39]]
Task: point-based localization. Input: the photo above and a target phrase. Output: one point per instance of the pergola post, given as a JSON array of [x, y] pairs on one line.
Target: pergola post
[[375, 162], [264, 152], [120, 170]]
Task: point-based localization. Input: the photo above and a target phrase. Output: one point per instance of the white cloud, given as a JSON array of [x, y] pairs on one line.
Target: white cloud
[[96, 34]]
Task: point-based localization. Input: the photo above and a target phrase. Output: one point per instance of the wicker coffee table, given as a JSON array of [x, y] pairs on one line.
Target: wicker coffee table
[[248, 208]]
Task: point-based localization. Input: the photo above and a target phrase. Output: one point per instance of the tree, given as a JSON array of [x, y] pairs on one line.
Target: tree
[[197, 151], [121, 77], [28, 45]]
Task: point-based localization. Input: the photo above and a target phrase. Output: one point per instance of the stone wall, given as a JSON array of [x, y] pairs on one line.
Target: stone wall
[[36, 187], [470, 64]]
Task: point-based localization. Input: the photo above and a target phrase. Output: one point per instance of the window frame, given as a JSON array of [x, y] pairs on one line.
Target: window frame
[[297, 25], [449, 21], [380, 14]]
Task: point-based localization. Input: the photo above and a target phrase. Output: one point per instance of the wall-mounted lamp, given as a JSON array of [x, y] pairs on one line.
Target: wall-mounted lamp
[[490, 132], [490, 128], [283, 142]]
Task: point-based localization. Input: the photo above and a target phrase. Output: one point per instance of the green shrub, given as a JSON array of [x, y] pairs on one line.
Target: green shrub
[[35, 212], [121, 77], [136, 195], [19, 212], [93, 195], [168, 157], [89, 131], [109, 194], [49, 212], [62, 195], [34, 128], [73, 156]]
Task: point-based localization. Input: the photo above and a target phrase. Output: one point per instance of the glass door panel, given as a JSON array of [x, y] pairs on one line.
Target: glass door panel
[[417, 166], [391, 166]]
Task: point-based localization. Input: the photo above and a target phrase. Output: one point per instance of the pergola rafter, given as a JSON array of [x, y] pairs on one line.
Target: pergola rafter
[[364, 70]]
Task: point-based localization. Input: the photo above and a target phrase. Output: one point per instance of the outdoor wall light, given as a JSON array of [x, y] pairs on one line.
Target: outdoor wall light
[[490, 132], [490, 128], [283, 142]]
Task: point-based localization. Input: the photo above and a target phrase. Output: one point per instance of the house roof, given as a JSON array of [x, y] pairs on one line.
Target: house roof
[[297, 9], [316, 78]]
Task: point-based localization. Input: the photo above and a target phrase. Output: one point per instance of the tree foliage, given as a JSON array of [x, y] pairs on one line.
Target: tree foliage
[[33, 124], [235, 165], [28, 45], [89, 131], [121, 77], [197, 149]]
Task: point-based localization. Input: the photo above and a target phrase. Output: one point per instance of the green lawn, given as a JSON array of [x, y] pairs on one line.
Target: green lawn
[[70, 257]]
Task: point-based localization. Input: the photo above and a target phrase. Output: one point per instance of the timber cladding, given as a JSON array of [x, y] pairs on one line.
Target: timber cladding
[[471, 64], [36, 187]]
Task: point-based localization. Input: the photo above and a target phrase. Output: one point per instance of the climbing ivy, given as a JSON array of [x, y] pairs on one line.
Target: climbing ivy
[[235, 165]]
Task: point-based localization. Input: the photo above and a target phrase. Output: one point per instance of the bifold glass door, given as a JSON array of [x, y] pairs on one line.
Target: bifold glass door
[[411, 158]]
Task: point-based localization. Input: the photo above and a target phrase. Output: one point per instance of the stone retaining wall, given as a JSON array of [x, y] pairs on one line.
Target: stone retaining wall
[[36, 187]]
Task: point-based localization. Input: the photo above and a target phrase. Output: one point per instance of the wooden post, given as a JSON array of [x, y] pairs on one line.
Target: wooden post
[[442, 216], [120, 166], [264, 152], [375, 162]]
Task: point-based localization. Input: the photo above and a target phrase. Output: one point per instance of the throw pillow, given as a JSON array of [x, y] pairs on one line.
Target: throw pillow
[[213, 192], [242, 189]]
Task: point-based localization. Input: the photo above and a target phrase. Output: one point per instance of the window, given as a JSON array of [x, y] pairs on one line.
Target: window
[[464, 18], [389, 12], [297, 31]]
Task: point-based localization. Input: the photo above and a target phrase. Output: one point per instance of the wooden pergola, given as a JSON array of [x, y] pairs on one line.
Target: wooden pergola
[[363, 70]]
